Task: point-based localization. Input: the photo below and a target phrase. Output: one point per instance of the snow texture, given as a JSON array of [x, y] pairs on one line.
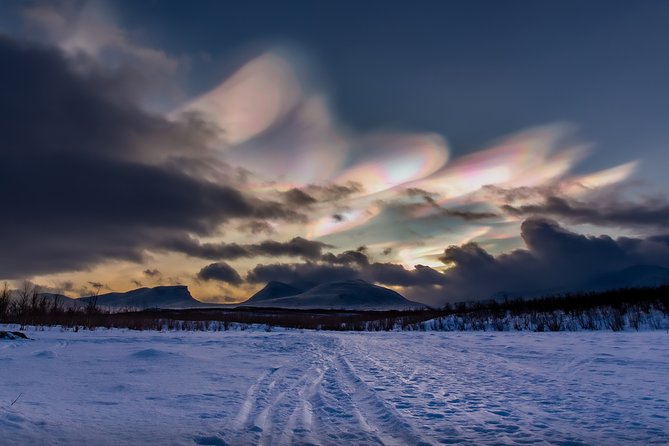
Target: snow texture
[[110, 387]]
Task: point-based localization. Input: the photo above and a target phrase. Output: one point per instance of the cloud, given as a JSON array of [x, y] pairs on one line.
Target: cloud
[[89, 176], [469, 215], [221, 272], [345, 266], [334, 192], [256, 227], [85, 28], [430, 200], [603, 211], [297, 197], [309, 273], [296, 247], [346, 258], [394, 274], [555, 260]]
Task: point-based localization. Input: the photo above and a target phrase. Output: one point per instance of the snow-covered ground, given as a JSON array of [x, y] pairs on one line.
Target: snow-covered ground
[[292, 387]]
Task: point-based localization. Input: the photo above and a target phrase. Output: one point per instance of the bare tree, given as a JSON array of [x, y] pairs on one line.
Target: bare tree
[[4, 301]]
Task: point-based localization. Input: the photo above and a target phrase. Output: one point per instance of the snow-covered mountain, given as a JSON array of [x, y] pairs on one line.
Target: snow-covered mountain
[[159, 297], [345, 294]]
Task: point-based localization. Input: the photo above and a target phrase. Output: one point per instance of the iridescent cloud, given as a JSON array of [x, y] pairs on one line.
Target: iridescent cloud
[[401, 158], [342, 221], [527, 159], [275, 124], [253, 99]]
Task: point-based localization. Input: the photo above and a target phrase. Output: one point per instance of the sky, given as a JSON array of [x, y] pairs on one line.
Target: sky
[[449, 150]]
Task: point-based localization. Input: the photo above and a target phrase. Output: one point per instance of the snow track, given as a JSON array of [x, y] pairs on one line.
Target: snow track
[[317, 388]]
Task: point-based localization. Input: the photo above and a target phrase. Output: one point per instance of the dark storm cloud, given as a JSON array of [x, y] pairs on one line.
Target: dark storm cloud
[[603, 212], [394, 274], [309, 273], [221, 272], [296, 247], [256, 227], [346, 258], [313, 273], [213, 251], [514, 194], [469, 215], [556, 260], [89, 176], [430, 200], [334, 192], [152, 273], [297, 197]]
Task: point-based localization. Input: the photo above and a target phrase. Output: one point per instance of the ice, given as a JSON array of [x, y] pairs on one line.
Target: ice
[[110, 387]]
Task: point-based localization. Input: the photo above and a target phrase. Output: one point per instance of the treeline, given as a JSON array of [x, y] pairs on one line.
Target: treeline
[[642, 308], [618, 310], [28, 307]]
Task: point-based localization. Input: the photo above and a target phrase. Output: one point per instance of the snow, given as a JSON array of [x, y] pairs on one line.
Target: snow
[[109, 387]]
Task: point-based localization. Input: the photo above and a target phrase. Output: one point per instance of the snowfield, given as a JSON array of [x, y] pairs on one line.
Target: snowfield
[[110, 387]]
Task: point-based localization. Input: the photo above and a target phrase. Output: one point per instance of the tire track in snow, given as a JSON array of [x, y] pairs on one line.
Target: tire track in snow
[[348, 410], [277, 407], [299, 427], [251, 399], [387, 424]]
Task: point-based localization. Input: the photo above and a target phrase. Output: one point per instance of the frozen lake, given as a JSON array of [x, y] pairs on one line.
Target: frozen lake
[[291, 387]]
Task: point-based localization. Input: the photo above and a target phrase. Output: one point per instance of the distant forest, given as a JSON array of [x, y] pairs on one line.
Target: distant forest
[[617, 310]]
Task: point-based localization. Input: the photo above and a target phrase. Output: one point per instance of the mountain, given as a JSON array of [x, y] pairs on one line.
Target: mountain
[[274, 290], [345, 294], [633, 277], [159, 297]]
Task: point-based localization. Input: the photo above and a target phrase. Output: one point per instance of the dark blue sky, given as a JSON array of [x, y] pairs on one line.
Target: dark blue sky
[[470, 70]]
